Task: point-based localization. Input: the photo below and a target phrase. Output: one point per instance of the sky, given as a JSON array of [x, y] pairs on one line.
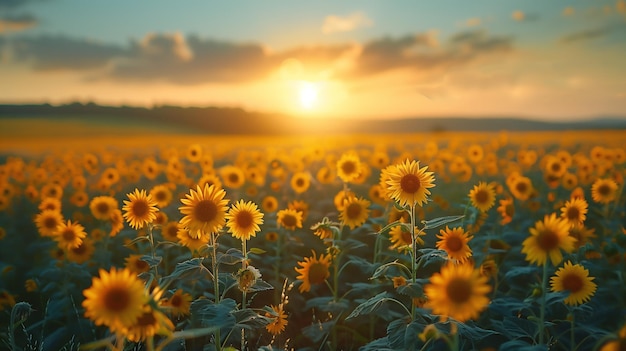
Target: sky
[[539, 59]]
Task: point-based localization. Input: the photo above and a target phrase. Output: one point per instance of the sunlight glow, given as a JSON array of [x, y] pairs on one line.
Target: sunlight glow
[[308, 94]]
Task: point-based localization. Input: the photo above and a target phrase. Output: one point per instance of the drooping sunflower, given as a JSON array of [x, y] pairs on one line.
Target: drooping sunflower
[[547, 239], [401, 238], [161, 194], [300, 182], [506, 211], [574, 211], [140, 210], [102, 206], [243, 220], [69, 235], [409, 184], [178, 304], [204, 210], [458, 291], [135, 264], [604, 190], [576, 280], [279, 323], [355, 212], [313, 271], [483, 196], [149, 323], [115, 299], [48, 221], [232, 176], [289, 219], [195, 241], [455, 243]]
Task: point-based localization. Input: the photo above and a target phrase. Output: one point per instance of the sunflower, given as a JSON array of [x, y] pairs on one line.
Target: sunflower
[[140, 210], [210, 179], [279, 322], [244, 219], [582, 234], [475, 153], [574, 211], [548, 238], [162, 195], [325, 175], [576, 280], [313, 271], [458, 291], [269, 204], [604, 190], [555, 167], [194, 153], [178, 304], [355, 212], [48, 221], [379, 159], [170, 230], [300, 182], [135, 264], [376, 193], [79, 199], [409, 184], [150, 322], [204, 210], [82, 253], [117, 222], [102, 206], [300, 206], [232, 176], [50, 203], [340, 197], [69, 235], [51, 190], [401, 239], [569, 181], [521, 188], [348, 167], [455, 243], [115, 299], [290, 219], [483, 196], [193, 242], [506, 211]]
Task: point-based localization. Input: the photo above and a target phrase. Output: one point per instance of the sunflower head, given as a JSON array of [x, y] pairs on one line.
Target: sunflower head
[[204, 209], [547, 239], [455, 243], [244, 219], [407, 183], [289, 219], [483, 196], [313, 271], [574, 279], [140, 209], [349, 167]]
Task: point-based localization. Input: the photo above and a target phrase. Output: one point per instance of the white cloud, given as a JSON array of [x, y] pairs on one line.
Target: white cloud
[[334, 24]]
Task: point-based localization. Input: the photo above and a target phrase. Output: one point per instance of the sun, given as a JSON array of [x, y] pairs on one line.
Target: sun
[[308, 93]]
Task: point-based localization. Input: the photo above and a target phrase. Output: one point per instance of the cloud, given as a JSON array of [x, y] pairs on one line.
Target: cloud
[[473, 22], [16, 23], [584, 35], [192, 60], [568, 11], [189, 60], [521, 16], [59, 52], [12, 4], [335, 24]]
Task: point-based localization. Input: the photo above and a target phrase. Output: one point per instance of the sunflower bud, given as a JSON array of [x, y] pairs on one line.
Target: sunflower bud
[[246, 277]]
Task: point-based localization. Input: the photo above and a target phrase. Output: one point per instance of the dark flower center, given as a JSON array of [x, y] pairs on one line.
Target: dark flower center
[[572, 282], [459, 290], [205, 211], [410, 183], [317, 273], [116, 299]]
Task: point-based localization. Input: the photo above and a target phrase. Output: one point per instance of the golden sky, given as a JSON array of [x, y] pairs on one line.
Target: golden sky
[[370, 59]]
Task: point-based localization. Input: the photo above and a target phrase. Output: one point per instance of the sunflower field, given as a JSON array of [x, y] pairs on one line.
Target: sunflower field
[[433, 241]]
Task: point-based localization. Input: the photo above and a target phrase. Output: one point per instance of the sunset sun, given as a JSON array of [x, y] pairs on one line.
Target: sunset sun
[[308, 93]]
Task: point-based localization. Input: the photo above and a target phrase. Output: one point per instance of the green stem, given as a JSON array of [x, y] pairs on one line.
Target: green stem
[[152, 250], [542, 311], [571, 335], [244, 265], [216, 286], [413, 255]]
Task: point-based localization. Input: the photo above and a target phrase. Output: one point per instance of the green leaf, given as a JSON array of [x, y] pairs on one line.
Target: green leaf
[[370, 305], [257, 251], [152, 261], [260, 285], [389, 226], [411, 289], [136, 240], [317, 332], [190, 267], [231, 257], [437, 222], [248, 319], [380, 271]]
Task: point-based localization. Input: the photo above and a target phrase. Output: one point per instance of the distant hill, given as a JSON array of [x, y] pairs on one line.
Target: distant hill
[[217, 120]]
